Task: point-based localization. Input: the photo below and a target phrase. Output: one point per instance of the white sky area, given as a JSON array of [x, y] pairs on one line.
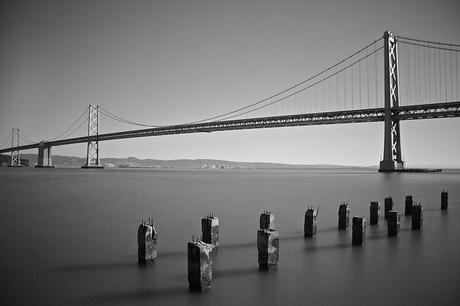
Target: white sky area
[[169, 62]]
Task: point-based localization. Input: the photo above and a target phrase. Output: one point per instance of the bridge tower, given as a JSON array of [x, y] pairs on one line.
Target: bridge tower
[[92, 152], [15, 160], [392, 158]]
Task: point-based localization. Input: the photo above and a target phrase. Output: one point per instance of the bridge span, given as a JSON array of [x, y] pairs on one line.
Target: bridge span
[[412, 112], [429, 79]]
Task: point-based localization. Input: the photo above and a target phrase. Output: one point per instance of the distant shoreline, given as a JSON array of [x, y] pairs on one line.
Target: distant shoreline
[[137, 163]]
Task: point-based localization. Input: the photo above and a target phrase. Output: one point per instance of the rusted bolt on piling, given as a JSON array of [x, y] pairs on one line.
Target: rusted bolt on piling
[[393, 223], [311, 222], [374, 210], [199, 262], [358, 230], [388, 206], [210, 229], [147, 238], [267, 242], [344, 215], [444, 199]]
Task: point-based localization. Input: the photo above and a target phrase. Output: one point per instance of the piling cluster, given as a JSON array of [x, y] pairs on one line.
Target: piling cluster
[[199, 251]]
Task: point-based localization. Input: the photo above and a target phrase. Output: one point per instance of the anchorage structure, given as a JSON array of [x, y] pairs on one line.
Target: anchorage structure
[[392, 158], [92, 152], [15, 160]]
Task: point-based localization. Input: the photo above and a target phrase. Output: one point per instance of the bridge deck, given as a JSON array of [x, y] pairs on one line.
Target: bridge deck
[[411, 112]]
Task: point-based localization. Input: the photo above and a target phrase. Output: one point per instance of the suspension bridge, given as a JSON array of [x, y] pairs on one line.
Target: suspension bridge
[[392, 79]]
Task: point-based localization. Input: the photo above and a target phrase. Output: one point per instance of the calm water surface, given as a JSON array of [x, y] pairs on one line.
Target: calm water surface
[[68, 236]]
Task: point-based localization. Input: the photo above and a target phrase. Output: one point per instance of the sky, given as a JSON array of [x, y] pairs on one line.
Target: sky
[[168, 62]]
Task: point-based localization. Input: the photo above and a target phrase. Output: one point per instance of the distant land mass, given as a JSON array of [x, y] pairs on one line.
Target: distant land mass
[[134, 162]]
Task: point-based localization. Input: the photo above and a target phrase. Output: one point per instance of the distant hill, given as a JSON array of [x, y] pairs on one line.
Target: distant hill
[[134, 162]]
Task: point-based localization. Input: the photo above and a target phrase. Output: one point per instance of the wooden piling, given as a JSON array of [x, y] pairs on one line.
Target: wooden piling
[[210, 229], [393, 223], [311, 223], [199, 265], [374, 212], [344, 216], [267, 220], [444, 199], [147, 242], [268, 248], [417, 216], [388, 206], [408, 206], [358, 230]]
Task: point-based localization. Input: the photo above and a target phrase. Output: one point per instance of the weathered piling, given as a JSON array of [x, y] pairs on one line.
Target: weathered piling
[[268, 248], [374, 212], [358, 230], [146, 242], [267, 220], [393, 223], [199, 265], [444, 199], [210, 229], [417, 216], [388, 206], [344, 215], [311, 222], [408, 205]]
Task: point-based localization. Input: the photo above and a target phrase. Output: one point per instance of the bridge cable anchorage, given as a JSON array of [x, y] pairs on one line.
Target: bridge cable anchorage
[[286, 90], [303, 89]]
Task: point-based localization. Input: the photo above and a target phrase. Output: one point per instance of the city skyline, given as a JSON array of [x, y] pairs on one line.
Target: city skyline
[[170, 63]]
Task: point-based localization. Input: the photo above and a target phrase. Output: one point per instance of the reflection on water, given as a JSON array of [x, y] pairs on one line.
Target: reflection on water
[[69, 237]]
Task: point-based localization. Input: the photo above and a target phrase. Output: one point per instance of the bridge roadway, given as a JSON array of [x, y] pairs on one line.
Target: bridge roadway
[[410, 112]]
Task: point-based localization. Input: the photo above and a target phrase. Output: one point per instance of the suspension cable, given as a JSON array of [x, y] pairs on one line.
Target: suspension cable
[[73, 124], [427, 41], [7, 139], [428, 46], [121, 119], [305, 88], [288, 89], [24, 137]]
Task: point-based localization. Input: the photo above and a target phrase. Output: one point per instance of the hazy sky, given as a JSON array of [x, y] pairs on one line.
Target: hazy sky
[[167, 62]]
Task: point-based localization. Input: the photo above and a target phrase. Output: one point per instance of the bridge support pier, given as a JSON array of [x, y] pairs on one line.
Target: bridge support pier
[[44, 159], [392, 157], [92, 152], [15, 157]]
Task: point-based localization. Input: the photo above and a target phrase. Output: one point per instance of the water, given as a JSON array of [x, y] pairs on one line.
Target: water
[[68, 236]]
